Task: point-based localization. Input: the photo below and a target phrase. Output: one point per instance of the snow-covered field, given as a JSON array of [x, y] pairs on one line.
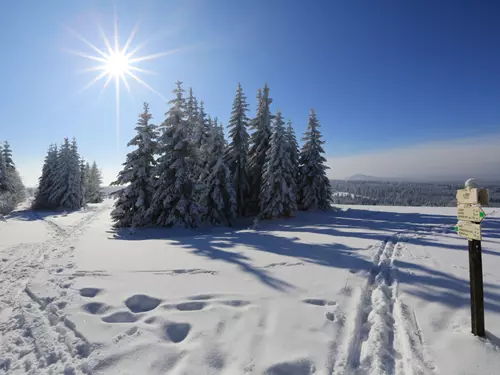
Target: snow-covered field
[[365, 290]]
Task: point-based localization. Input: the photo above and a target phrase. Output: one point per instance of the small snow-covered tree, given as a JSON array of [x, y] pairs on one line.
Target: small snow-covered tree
[[220, 198], [293, 152], [236, 155], [314, 185], [83, 183], [60, 177], [134, 200], [3, 182], [46, 182], [71, 196], [259, 143], [173, 202], [191, 113], [199, 143], [277, 198], [12, 191], [94, 182]]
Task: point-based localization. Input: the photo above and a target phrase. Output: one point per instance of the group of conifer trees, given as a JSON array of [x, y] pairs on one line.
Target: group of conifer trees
[[184, 172], [67, 181], [12, 190]]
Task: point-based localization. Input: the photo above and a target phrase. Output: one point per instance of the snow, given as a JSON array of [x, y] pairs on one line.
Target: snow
[[363, 290]]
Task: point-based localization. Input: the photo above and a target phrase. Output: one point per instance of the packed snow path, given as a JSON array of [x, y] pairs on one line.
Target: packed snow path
[[380, 290], [35, 333]]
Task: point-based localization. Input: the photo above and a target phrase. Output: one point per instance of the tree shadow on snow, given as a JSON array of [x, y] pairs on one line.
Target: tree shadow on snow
[[281, 237]]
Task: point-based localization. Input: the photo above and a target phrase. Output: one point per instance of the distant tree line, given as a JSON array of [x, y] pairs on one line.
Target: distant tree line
[[12, 190], [389, 193], [184, 172], [67, 181]]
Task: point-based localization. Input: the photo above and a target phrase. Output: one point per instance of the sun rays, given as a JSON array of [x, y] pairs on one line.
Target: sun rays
[[117, 64]]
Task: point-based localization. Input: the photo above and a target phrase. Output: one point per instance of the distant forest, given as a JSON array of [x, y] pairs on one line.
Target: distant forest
[[391, 193]]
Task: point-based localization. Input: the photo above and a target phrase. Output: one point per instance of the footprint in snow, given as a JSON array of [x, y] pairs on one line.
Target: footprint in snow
[[95, 308], [141, 303], [319, 302], [120, 317], [90, 292], [236, 303], [176, 332]]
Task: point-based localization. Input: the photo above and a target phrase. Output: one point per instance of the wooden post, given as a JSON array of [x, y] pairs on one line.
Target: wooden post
[[470, 215], [476, 288]]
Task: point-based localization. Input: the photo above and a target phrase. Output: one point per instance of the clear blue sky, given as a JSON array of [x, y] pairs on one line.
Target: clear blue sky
[[381, 75]]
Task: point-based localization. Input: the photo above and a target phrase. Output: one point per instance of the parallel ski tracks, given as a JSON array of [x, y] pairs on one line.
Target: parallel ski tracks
[[382, 336]]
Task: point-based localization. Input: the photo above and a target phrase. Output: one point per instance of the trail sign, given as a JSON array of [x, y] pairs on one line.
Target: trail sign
[[472, 196], [470, 213], [469, 230], [469, 201]]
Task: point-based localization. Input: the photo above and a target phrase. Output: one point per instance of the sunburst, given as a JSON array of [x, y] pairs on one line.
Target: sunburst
[[117, 64]]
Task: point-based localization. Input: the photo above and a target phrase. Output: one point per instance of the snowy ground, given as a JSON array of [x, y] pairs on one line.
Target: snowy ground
[[368, 290]]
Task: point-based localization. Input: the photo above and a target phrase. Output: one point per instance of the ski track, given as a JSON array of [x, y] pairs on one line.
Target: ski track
[[383, 334], [36, 336]]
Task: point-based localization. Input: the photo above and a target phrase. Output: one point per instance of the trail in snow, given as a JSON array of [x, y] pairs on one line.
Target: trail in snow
[[384, 337], [36, 337]]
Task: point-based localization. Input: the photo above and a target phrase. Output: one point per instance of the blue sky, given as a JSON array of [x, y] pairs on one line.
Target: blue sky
[[388, 79]]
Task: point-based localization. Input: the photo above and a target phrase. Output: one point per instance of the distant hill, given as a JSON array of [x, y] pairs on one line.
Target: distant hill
[[364, 177]]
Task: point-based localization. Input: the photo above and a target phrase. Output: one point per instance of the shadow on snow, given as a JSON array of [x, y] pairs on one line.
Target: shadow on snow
[[433, 285]]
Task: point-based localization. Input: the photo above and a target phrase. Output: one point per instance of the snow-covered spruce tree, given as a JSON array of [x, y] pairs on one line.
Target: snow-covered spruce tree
[[60, 178], [173, 202], [13, 191], [236, 155], [191, 113], [259, 144], [134, 200], [3, 184], [293, 152], [83, 183], [219, 199], [46, 182], [71, 198], [200, 141], [94, 194], [314, 185], [277, 198]]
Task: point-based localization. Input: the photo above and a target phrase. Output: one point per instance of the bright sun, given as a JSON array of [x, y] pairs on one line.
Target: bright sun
[[118, 64]]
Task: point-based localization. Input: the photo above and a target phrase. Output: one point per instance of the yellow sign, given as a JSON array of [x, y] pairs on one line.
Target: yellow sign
[[470, 213], [472, 196], [472, 231], [468, 196]]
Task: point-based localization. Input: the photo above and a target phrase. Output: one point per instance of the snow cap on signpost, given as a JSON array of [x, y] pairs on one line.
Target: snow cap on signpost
[[471, 183]]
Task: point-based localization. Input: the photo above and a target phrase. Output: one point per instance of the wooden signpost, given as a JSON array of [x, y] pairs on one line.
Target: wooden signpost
[[470, 215]]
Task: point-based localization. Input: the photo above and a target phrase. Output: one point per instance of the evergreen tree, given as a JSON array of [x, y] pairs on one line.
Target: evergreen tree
[[293, 152], [135, 199], [12, 190], [94, 184], [259, 144], [83, 183], [220, 197], [200, 143], [173, 202], [7, 156], [192, 113], [314, 186], [87, 183], [46, 181], [236, 155], [3, 182], [66, 192], [72, 198], [60, 177], [277, 197]]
